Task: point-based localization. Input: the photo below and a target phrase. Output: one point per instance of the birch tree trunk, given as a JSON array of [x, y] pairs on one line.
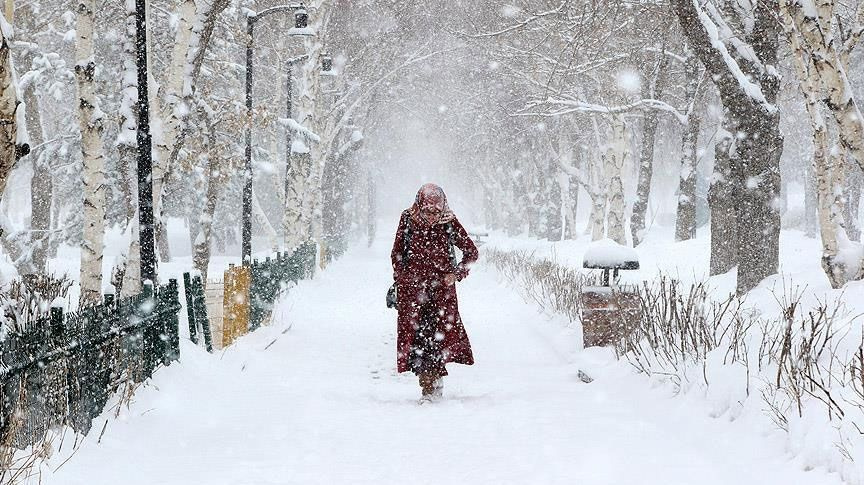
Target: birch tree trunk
[[8, 114], [202, 248], [570, 210], [172, 112], [90, 121], [127, 148], [597, 190], [829, 176], [811, 221], [132, 275], [828, 168], [617, 155], [308, 171], [820, 45], [194, 34], [852, 199]]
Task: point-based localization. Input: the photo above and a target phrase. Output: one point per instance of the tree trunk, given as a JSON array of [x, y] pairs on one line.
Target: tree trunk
[[828, 167], [194, 34], [721, 201], [90, 121], [821, 46], [371, 216], [202, 248], [646, 152], [597, 190], [127, 148], [8, 114], [811, 222], [829, 177], [616, 157], [570, 210], [172, 114], [554, 205], [132, 274], [310, 165], [750, 110], [685, 222], [41, 185], [852, 196]]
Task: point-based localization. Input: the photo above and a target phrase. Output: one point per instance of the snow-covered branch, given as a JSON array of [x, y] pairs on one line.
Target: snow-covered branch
[[521, 25], [583, 107], [747, 86]]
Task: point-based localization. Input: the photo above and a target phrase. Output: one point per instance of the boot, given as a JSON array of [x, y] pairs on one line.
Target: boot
[[427, 385], [438, 388]]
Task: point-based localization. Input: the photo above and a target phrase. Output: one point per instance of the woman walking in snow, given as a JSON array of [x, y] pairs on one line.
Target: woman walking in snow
[[430, 332]]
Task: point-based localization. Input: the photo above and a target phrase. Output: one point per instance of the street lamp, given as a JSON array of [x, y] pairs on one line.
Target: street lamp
[[301, 28], [326, 64], [145, 160]]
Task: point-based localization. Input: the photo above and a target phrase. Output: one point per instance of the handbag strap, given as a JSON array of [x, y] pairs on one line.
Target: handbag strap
[[406, 240], [451, 251]]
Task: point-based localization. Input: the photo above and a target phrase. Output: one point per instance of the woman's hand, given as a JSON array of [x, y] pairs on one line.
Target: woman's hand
[[449, 279]]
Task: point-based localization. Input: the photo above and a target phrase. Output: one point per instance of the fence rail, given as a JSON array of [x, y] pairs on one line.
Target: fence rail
[[62, 368]]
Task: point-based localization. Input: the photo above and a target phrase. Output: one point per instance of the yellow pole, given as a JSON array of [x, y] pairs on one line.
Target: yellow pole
[[10, 10]]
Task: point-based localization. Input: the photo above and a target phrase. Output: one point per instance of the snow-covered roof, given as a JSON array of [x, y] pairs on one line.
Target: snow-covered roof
[[608, 254]]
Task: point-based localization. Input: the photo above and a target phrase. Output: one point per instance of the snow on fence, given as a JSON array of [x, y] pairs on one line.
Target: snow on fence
[[60, 370]]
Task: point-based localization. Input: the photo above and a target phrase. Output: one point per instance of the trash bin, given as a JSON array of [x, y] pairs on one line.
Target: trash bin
[[610, 311]]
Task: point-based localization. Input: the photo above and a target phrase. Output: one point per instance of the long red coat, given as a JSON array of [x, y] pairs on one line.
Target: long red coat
[[422, 281]]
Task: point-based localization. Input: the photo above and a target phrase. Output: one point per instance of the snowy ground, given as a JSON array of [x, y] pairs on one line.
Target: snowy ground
[[314, 399]]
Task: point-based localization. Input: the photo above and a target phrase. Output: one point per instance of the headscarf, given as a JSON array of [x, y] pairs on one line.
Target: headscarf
[[431, 195]]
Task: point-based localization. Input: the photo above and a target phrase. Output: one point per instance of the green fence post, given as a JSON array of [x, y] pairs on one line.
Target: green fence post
[[200, 306], [57, 322], [255, 297], [144, 312], [190, 308], [172, 321]]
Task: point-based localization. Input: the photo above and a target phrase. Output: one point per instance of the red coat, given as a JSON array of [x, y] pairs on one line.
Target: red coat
[[423, 278]]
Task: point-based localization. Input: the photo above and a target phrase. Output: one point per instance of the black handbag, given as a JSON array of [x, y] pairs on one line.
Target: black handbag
[[391, 292], [391, 296]]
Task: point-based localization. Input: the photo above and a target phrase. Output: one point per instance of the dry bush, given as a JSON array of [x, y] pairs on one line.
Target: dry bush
[[806, 354], [680, 325], [554, 287], [800, 356], [28, 299]]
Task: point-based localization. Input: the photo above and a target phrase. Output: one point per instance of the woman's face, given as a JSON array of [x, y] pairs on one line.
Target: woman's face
[[430, 212]]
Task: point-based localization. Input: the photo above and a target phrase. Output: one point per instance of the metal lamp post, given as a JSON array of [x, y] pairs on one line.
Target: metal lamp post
[[145, 159], [301, 19]]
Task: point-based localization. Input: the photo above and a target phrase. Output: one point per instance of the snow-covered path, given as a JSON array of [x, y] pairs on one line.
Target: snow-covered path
[[314, 399]]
